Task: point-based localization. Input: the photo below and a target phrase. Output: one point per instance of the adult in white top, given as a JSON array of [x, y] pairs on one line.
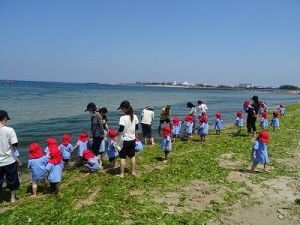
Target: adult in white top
[[201, 109], [129, 126], [8, 164], [147, 117]]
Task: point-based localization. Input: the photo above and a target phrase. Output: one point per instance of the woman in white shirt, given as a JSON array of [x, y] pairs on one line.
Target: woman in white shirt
[[129, 126]]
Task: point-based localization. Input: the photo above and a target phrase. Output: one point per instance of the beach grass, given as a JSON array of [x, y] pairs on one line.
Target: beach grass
[[192, 188]]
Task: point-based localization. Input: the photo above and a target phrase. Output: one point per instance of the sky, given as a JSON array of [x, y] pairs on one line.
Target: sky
[[215, 42]]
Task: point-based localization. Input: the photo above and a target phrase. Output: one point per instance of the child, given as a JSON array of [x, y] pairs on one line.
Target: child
[[166, 143], [203, 130], [102, 150], [219, 123], [260, 152], [16, 155], [275, 121], [92, 163], [189, 126], [49, 141], [176, 126], [138, 145], [282, 109], [66, 149], [82, 144], [239, 122], [246, 105], [37, 164], [263, 121], [54, 168], [261, 108], [112, 153]]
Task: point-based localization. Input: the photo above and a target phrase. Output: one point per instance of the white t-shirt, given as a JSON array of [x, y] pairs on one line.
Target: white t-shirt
[[147, 116], [7, 138], [201, 109], [129, 127]]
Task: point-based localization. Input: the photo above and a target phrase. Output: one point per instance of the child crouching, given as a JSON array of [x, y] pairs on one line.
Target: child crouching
[[92, 163], [37, 164]]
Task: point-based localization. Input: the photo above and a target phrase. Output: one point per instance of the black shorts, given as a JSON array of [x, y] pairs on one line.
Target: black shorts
[[166, 120], [128, 149], [147, 131], [11, 174], [96, 145]]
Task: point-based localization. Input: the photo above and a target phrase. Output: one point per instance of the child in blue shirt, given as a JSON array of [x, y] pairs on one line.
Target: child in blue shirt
[[37, 164], [218, 123], [275, 121], [82, 144], [166, 144], [189, 126], [263, 121], [176, 127], [112, 153], [260, 152], [203, 129], [282, 109], [92, 163], [54, 169], [66, 149], [16, 154], [239, 122], [246, 105]]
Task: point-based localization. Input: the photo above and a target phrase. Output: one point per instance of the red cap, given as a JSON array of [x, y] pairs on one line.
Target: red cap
[[112, 134], [239, 114], [51, 141], [263, 136], [175, 121], [66, 139], [55, 155], [189, 118], [246, 103], [35, 151], [166, 131], [219, 116], [87, 154], [264, 114], [276, 114], [203, 119], [281, 106], [83, 137]]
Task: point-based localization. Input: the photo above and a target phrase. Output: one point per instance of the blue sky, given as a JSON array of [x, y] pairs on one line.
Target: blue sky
[[215, 41]]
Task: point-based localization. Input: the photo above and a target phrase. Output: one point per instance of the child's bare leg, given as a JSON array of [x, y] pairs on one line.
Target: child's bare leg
[[13, 196], [166, 156], [34, 189], [253, 167], [56, 188], [266, 167]]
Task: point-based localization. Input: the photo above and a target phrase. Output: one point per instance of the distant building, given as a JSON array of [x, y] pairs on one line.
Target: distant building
[[246, 85]]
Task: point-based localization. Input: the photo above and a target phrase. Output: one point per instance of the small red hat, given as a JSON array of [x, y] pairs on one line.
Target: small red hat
[[175, 121], [83, 137], [66, 139], [189, 118], [35, 151], [166, 131], [87, 154], [239, 114], [276, 114], [112, 134], [281, 106], [51, 141], [219, 116], [264, 114], [263, 136], [55, 155], [203, 119], [246, 103]]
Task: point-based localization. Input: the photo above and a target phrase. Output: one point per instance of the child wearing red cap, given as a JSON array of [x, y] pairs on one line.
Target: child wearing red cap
[[54, 168], [189, 126], [49, 141], [203, 129], [239, 122], [246, 105], [112, 153], [218, 123], [37, 164], [264, 121], [275, 121], [138, 145], [82, 144], [282, 109], [176, 127], [66, 149], [92, 163], [260, 152], [166, 144]]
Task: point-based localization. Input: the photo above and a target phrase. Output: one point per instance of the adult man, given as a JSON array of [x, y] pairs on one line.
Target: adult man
[[8, 165], [165, 116]]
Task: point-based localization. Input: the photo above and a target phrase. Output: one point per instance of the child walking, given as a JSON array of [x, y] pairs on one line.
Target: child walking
[[189, 126], [275, 121], [176, 127], [92, 163], [239, 122], [66, 149], [203, 129], [112, 153], [54, 168], [282, 109], [218, 123], [37, 164], [260, 152], [82, 144], [264, 121], [166, 144]]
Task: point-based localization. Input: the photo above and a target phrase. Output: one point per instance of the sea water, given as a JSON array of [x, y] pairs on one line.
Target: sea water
[[39, 110]]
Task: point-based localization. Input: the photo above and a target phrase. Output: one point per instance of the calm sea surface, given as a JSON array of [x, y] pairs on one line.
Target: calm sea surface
[[39, 110]]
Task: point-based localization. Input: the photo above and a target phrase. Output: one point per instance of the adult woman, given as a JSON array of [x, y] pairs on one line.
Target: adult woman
[[252, 114], [128, 127], [201, 109], [8, 165], [97, 132], [147, 117]]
